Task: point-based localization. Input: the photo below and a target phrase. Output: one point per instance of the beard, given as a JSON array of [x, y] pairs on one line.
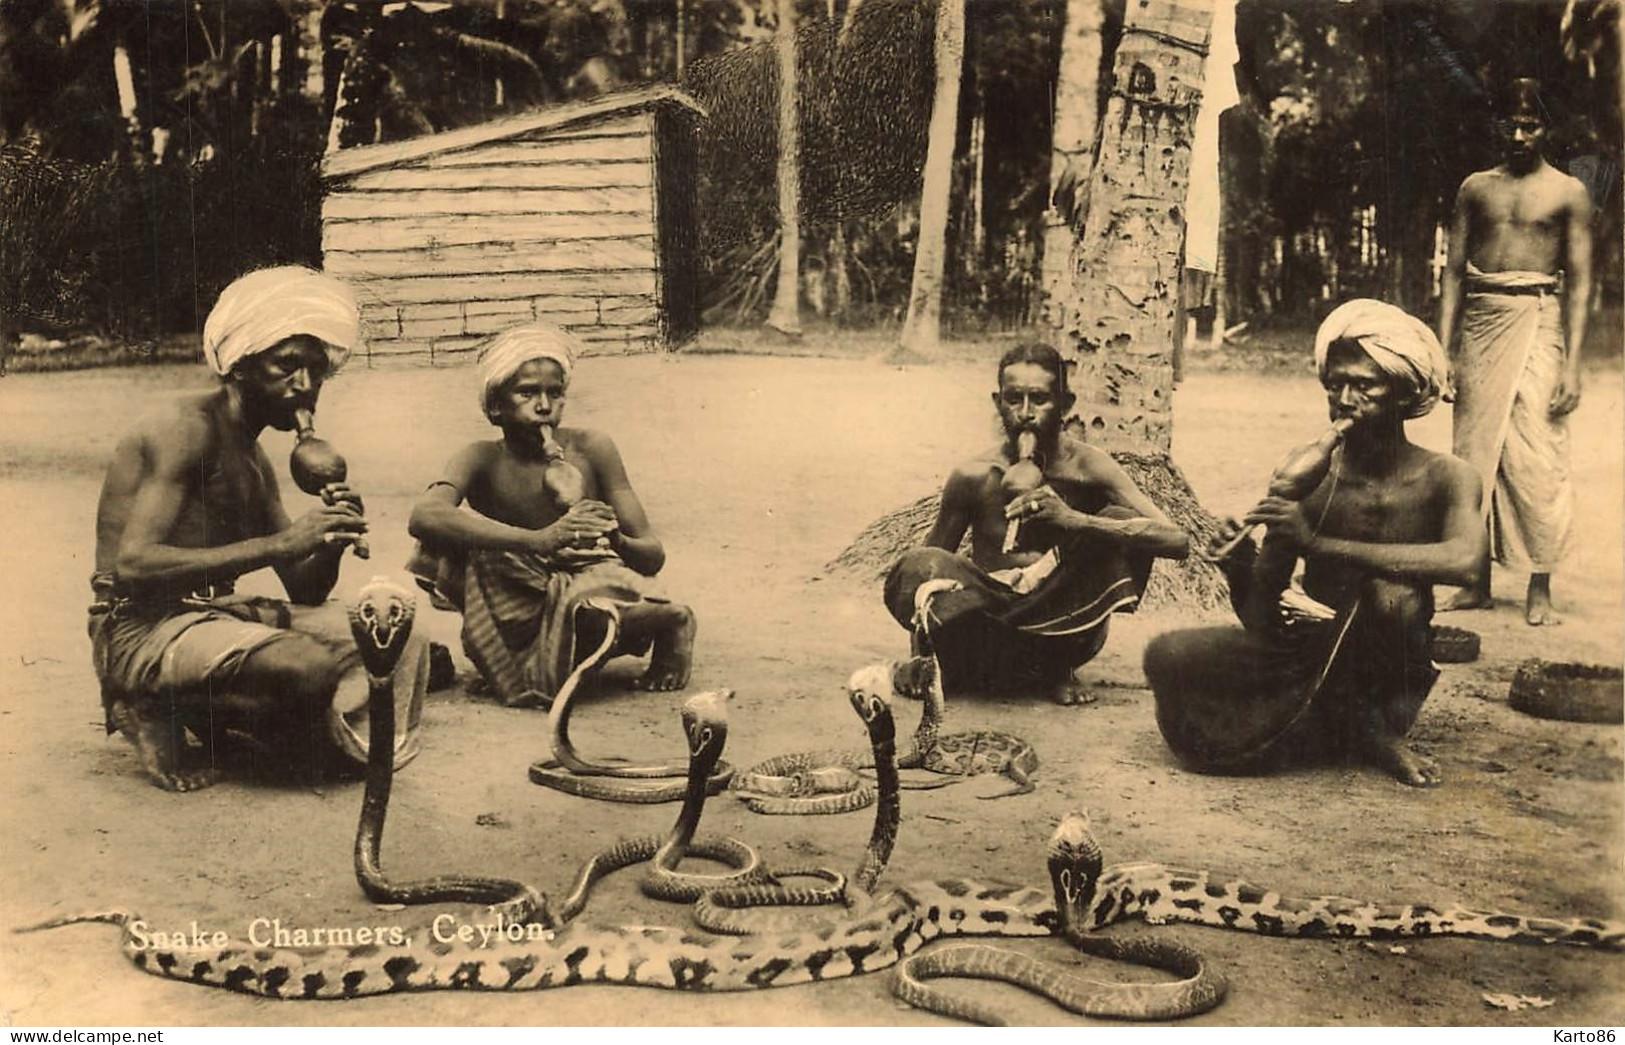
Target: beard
[[1048, 435]]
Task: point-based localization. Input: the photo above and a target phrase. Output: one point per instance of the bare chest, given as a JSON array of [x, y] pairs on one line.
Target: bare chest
[[520, 492], [231, 500], [1390, 510]]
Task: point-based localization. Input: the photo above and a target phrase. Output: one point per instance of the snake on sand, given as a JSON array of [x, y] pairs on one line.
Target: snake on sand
[[893, 924], [569, 772]]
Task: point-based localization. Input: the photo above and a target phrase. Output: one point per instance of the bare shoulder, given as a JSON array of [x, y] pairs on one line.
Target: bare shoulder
[[1087, 463], [978, 468], [1476, 184], [1446, 471], [181, 429], [1572, 191], [587, 440]]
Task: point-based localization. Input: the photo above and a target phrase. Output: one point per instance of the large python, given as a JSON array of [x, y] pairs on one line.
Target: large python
[[893, 925], [530, 957], [571, 773]]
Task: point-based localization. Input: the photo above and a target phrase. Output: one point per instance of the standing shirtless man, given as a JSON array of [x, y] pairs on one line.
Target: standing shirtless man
[[191, 503], [1516, 228]]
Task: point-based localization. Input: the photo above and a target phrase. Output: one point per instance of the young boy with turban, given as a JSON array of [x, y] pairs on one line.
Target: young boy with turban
[[190, 503], [537, 579], [1389, 521]]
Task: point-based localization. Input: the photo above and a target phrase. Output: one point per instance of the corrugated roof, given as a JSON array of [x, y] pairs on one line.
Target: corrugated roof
[[346, 162]]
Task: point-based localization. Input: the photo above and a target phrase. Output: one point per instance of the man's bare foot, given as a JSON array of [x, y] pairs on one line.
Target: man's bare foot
[[1468, 599], [1070, 692], [156, 743], [1408, 767], [1537, 609], [671, 659]]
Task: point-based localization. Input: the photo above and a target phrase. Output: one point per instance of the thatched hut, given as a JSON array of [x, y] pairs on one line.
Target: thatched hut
[[579, 214]]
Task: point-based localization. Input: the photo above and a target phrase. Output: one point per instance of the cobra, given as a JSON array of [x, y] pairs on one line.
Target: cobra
[[570, 772], [894, 923]]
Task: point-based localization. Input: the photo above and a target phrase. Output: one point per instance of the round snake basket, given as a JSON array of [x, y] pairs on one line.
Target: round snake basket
[[1570, 692], [1454, 645]]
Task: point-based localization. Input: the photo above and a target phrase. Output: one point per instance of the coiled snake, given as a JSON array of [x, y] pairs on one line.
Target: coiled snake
[[569, 772], [891, 925], [820, 782], [886, 928]]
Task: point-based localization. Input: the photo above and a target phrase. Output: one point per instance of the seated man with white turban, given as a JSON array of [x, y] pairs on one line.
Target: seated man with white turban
[[557, 548], [1347, 668], [190, 503]]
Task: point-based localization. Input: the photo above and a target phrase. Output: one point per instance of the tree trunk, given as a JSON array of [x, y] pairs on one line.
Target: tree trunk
[[1072, 152], [785, 316], [309, 26], [922, 328], [1117, 303], [1119, 300]]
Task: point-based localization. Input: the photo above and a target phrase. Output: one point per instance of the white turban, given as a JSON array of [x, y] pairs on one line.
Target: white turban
[[271, 305], [1401, 345], [504, 354]]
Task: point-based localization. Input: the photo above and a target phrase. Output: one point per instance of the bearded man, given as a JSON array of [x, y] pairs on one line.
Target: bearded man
[[1023, 615]]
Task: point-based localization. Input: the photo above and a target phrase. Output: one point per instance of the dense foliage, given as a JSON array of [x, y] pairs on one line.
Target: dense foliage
[[125, 208]]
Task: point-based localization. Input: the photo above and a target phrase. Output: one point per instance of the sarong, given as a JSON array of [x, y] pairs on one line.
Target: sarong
[[527, 623], [1510, 363], [989, 637], [174, 659], [1228, 698]]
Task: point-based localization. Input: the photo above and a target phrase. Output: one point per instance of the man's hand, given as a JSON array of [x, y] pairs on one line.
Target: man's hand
[[581, 529], [1285, 522], [339, 494], [1229, 529], [1041, 505], [1567, 395], [325, 527], [583, 556]]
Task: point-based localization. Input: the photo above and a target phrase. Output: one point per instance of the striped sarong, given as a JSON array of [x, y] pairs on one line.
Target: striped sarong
[[525, 625]]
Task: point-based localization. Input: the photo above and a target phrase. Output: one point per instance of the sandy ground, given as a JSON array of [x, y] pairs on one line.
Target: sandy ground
[[757, 471]]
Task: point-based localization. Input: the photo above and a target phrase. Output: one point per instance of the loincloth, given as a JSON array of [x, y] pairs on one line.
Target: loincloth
[[173, 658], [990, 636], [1228, 697], [1510, 367]]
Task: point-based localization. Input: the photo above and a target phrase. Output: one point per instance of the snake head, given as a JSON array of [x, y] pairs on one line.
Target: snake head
[[1075, 863], [381, 621], [870, 690], [705, 720]]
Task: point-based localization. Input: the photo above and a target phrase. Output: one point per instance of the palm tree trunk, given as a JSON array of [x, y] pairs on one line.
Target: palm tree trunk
[[1119, 301], [922, 328], [785, 316], [1072, 153]]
